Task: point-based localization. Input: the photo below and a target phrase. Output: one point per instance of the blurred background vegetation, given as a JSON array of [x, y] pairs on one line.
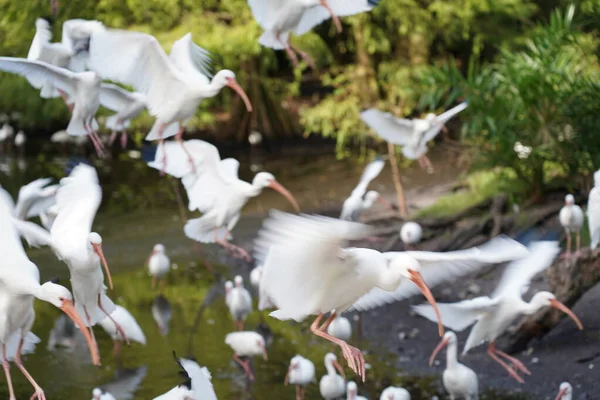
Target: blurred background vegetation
[[529, 69]]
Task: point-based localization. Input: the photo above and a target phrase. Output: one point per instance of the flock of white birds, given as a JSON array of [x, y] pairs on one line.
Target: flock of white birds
[[306, 266]]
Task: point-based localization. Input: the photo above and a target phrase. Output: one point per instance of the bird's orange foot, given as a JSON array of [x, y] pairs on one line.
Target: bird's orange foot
[[355, 360], [566, 255]]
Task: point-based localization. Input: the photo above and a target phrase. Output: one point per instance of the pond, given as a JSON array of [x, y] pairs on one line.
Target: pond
[[139, 210]]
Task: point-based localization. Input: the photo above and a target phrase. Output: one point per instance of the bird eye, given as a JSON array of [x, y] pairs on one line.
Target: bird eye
[[61, 298]]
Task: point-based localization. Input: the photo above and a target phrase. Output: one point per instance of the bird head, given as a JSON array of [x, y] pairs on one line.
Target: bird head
[[545, 299], [351, 390], [96, 246], [239, 281], [448, 339], [60, 297], [226, 77], [569, 200], [373, 196], [294, 364], [96, 394], [158, 248], [430, 117], [331, 358], [228, 286], [265, 179], [565, 392]]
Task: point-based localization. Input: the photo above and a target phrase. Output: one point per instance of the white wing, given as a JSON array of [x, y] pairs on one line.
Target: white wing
[[441, 120], [40, 72], [265, 10], [191, 59], [458, 316], [229, 167], [30, 195], [394, 130], [342, 8], [11, 247], [201, 384], [519, 273], [136, 59], [305, 258], [116, 98], [593, 214], [437, 268], [77, 200], [371, 172]]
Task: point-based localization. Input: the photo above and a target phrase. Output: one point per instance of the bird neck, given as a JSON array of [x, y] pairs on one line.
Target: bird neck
[[451, 360], [389, 279], [330, 369]]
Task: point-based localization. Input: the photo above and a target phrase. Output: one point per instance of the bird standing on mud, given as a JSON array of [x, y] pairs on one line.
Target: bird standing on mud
[[571, 219]]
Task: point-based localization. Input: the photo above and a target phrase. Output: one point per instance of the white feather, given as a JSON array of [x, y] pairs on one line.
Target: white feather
[[130, 326]]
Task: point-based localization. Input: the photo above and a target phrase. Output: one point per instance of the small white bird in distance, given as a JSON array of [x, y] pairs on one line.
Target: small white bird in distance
[[239, 302], [493, 315], [352, 392], [332, 385], [571, 219], [565, 392], [411, 234], [395, 393], [255, 276], [593, 212], [300, 373], [246, 344], [341, 328], [158, 265], [412, 134], [98, 394]]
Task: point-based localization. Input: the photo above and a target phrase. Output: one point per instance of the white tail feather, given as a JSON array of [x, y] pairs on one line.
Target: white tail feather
[[268, 39], [170, 130]]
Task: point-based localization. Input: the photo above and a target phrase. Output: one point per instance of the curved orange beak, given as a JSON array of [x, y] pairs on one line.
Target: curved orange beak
[[385, 203], [417, 279], [285, 193], [287, 376], [561, 393], [336, 20], [98, 250], [439, 347], [265, 355], [339, 368], [232, 83], [560, 306], [69, 309]]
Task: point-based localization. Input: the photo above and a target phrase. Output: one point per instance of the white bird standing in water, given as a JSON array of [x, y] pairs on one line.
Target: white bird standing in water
[[352, 392], [216, 191], [459, 380], [98, 394], [412, 134], [395, 393], [158, 265], [19, 286], [197, 384], [301, 373], [340, 328], [280, 19], [246, 344], [411, 234], [493, 315], [593, 212], [571, 219], [332, 385], [129, 325], [565, 391], [239, 302]]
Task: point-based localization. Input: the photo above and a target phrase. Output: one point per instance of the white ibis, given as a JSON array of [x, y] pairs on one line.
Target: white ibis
[[352, 392], [197, 384], [593, 212], [71, 239], [357, 202], [255, 276], [282, 19], [20, 140], [340, 328], [301, 373], [127, 105], [459, 380], [493, 315], [35, 199], [332, 385], [174, 86], [239, 302], [128, 324], [228, 288], [158, 265], [565, 391], [411, 234], [98, 394], [571, 219], [246, 344], [19, 285], [216, 191], [412, 134], [82, 87], [395, 393]]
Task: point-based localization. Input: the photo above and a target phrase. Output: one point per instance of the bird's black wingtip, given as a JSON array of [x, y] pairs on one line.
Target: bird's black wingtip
[[373, 3], [148, 152], [75, 161]]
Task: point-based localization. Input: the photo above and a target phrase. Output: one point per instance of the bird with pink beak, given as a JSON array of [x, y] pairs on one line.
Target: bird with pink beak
[[246, 344], [565, 392]]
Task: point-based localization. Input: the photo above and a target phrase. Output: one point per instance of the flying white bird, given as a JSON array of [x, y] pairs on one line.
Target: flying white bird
[[127, 105], [340, 328], [239, 302], [280, 19], [98, 394], [215, 190], [82, 87], [332, 385], [19, 285], [493, 315], [127, 323], [412, 134], [246, 344], [71, 239], [358, 202], [411, 234], [593, 212], [301, 373], [395, 393], [571, 219], [197, 384], [352, 392], [459, 380], [35, 199], [174, 85], [158, 265], [308, 271], [565, 391]]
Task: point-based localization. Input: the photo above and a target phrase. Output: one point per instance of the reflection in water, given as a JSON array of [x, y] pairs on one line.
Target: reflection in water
[[162, 313], [125, 382], [64, 334]]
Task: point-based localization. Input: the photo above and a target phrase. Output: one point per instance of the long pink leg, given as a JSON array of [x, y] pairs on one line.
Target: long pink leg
[[567, 253], [98, 140], [39, 393], [235, 251], [161, 143], [288, 50], [512, 372], [89, 321], [518, 364], [179, 138], [117, 348], [113, 136], [119, 329], [308, 59], [123, 139], [577, 253], [245, 366], [6, 367]]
